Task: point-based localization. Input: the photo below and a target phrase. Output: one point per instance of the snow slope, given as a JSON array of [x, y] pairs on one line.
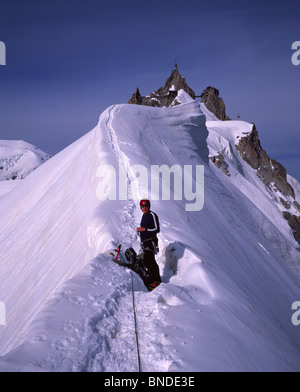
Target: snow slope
[[229, 271], [7, 186]]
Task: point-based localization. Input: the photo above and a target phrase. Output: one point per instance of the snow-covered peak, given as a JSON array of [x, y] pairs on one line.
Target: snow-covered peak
[[18, 159]]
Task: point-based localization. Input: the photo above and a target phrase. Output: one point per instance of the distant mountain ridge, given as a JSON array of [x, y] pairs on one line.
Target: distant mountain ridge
[[18, 159]]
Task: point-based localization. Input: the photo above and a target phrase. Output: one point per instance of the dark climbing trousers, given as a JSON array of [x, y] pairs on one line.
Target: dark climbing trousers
[[150, 263]]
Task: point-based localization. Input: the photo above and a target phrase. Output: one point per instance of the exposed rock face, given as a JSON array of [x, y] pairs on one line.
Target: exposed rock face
[[136, 98], [164, 96], [214, 103], [219, 161], [294, 222], [272, 173], [269, 170], [297, 205]]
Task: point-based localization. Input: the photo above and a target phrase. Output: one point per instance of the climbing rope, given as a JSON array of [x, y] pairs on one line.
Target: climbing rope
[[133, 304], [135, 326]]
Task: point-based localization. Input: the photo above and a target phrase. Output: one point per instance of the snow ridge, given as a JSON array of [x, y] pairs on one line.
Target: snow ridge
[[225, 302]]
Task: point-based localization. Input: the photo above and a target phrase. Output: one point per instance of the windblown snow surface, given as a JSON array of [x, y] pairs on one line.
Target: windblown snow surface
[[230, 272]]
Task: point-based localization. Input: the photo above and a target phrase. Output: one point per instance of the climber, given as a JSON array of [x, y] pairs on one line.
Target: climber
[[148, 231]]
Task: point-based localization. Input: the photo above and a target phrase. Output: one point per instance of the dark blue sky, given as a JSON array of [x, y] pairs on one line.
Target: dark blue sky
[[68, 60]]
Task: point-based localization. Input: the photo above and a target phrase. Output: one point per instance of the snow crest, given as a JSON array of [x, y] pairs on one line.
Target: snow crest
[[225, 301]]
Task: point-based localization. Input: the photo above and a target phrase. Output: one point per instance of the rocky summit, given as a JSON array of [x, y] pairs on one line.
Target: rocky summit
[[274, 175], [214, 103], [165, 96], [269, 170]]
